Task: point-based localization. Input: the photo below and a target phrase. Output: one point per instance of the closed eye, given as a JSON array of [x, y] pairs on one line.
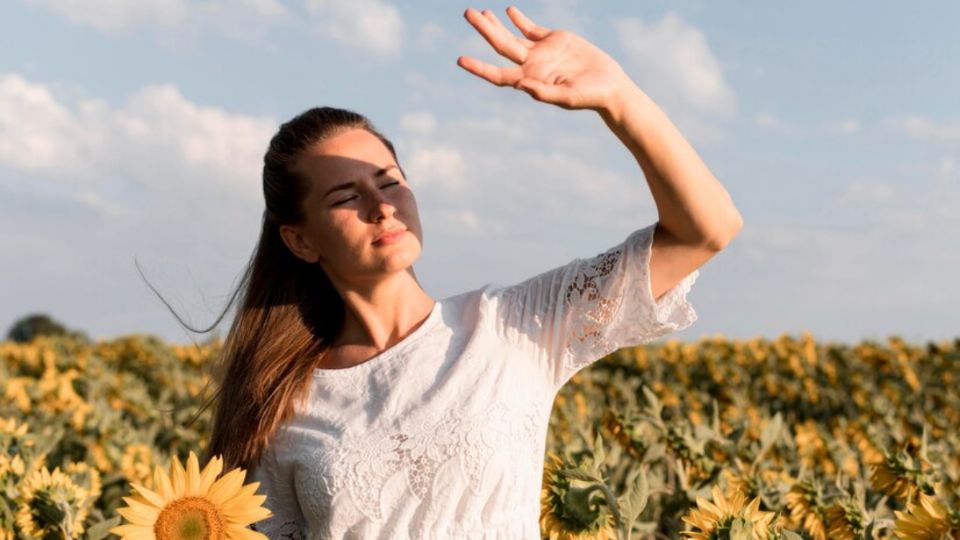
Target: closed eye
[[338, 203]]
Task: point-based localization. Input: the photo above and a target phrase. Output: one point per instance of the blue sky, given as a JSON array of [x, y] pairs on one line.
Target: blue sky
[[137, 129]]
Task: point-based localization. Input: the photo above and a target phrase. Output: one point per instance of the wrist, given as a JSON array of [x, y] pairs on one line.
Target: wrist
[[624, 96]]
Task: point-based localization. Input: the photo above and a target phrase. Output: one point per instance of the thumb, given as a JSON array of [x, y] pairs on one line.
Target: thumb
[[550, 93]]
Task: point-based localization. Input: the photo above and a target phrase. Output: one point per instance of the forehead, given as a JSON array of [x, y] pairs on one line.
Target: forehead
[[349, 155]]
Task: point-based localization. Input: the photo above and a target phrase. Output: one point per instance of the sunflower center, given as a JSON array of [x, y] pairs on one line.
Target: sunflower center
[[189, 518]]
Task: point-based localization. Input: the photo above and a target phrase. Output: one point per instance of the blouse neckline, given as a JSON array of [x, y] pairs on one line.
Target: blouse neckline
[[386, 354]]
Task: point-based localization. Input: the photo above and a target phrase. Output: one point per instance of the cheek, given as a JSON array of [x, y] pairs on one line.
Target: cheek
[[408, 200], [334, 230]]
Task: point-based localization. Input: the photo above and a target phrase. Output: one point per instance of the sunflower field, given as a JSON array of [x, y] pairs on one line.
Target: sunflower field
[[714, 439]]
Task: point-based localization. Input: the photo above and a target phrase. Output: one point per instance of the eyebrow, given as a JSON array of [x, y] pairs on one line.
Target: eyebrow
[[348, 185]]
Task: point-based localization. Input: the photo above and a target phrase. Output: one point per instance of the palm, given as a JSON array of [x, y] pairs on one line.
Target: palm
[[554, 66]]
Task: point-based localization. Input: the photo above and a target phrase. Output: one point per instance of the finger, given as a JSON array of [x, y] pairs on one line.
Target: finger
[[504, 30], [497, 75], [529, 28], [549, 93], [508, 48]]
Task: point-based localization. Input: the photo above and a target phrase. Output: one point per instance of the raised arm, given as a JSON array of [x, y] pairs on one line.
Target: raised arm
[[697, 217]]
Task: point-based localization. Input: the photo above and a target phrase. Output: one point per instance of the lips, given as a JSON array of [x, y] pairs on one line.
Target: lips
[[389, 233]]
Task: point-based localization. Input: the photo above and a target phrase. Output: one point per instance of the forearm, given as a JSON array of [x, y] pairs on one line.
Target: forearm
[[691, 202]]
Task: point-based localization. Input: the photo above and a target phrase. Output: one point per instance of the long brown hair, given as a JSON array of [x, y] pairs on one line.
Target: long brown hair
[[289, 311]]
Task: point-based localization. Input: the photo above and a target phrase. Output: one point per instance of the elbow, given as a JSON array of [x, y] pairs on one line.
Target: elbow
[[720, 239]]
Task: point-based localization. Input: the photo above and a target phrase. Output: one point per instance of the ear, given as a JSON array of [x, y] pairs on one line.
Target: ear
[[298, 244]]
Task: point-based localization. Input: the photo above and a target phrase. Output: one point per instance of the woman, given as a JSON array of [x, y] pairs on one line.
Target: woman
[[367, 409]]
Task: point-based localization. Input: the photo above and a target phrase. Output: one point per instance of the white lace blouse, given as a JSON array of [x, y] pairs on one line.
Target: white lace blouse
[[443, 434]]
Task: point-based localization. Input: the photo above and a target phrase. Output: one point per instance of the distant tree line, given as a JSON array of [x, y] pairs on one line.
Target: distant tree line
[[41, 324]]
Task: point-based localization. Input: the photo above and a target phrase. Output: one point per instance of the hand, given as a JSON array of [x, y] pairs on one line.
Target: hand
[[555, 66]]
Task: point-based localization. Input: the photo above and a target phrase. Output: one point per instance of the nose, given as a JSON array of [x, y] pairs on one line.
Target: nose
[[382, 206]]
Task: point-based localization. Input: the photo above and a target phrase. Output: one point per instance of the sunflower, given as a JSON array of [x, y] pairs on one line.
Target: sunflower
[[622, 430], [85, 476], [722, 514], [561, 517], [194, 504], [16, 390], [844, 521], [891, 476], [11, 467], [135, 464], [8, 426], [806, 509], [14, 436], [51, 505], [926, 519]]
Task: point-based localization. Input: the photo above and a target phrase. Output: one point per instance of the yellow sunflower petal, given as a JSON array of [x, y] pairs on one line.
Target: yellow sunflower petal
[[192, 476], [210, 473], [178, 477], [249, 516], [709, 508], [129, 531], [718, 498], [151, 496], [932, 506], [240, 499], [224, 488], [137, 513], [161, 481]]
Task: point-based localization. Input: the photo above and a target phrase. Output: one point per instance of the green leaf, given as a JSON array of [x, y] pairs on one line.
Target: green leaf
[[789, 535], [740, 530], [655, 404], [579, 473], [98, 531], [634, 500], [656, 451], [716, 417], [598, 455], [769, 436]]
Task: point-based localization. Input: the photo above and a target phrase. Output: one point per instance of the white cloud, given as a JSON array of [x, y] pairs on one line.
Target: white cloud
[[946, 173], [244, 20], [178, 21], [90, 185], [436, 166], [367, 25], [558, 14], [872, 192], [508, 129], [422, 123], [773, 123], [848, 126], [118, 15], [671, 57], [158, 139], [39, 134], [467, 222], [766, 120], [925, 129], [429, 36]]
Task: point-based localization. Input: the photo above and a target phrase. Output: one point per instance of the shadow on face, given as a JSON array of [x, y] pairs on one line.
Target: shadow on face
[[356, 192]]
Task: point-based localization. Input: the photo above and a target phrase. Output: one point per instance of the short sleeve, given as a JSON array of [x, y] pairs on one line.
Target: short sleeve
[[276, 482], [577, 313]]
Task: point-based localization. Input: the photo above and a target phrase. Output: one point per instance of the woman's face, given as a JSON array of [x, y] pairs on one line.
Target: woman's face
[[343, 221]]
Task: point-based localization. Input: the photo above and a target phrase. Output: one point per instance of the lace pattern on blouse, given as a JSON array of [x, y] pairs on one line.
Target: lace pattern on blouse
[[361, 470], [286, 521], [582, 311], [611, 305]]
